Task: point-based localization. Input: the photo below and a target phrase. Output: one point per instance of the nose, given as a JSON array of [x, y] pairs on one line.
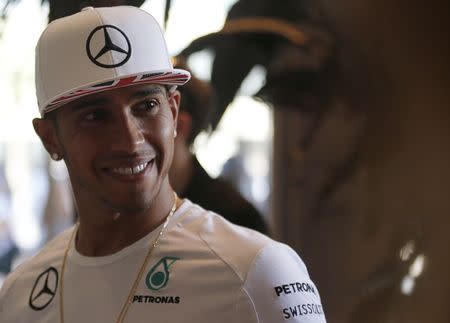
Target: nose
[[128, 134]]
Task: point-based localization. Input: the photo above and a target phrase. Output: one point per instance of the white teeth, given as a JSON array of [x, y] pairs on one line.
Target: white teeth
[[138, 169], [130, 170]]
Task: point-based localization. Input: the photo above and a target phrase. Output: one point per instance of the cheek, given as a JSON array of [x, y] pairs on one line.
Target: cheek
[[166, 129], [80, 149], [78, 157], [168, 141], [167, 135], [164, 132]]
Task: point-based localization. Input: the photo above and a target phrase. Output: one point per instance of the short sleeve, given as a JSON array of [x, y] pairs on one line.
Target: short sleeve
[[280, 289]]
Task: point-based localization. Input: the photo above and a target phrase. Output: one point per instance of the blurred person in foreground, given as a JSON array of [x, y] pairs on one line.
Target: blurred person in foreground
[[188, 178], [107, 96]]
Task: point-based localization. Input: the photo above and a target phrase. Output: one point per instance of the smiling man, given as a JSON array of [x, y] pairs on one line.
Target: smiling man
[[107, 95]]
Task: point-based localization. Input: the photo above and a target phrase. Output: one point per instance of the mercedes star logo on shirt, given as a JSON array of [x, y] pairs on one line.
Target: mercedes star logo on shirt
[[106, 39], [44, 289]]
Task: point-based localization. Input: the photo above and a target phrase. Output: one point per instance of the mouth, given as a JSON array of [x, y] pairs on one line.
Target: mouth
[[131, 171], [138, 169]]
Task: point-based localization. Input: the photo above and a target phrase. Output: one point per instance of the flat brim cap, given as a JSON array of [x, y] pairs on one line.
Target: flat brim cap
[[99, 49]]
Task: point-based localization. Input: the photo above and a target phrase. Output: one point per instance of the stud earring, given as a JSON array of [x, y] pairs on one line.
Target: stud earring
[[55, 156]]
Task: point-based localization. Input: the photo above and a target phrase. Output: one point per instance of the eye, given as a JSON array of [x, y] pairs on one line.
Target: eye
[[94, 115], [148, 105]]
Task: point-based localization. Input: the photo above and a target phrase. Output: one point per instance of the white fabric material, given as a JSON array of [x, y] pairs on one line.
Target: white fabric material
[[205, 269], [137, 46]]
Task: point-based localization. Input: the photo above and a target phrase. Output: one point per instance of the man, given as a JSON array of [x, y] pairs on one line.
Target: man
[[188, 178], [105, 89]]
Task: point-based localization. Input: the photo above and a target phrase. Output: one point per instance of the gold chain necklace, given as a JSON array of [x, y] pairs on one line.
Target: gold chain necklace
[[128, 302]]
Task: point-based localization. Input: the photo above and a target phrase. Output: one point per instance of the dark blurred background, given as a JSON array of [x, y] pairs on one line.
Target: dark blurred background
[[353, 168]]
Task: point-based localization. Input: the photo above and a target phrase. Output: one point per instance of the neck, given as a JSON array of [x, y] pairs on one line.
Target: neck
[[106, 235], [181, 171]]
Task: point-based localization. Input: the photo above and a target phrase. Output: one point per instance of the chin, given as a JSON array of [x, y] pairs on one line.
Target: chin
[[132, 202], [132, 208]]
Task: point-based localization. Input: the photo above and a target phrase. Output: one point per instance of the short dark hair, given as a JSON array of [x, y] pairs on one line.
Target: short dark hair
[[52, 116]]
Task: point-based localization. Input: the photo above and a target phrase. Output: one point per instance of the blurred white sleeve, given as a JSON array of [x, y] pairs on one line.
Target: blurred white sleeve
[[280, 289]]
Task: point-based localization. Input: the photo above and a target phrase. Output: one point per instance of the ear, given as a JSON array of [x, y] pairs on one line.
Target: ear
[[174, 104], [184, 126], [46, 130]]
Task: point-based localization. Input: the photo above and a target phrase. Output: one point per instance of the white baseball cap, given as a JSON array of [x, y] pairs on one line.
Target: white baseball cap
[[100, 49]]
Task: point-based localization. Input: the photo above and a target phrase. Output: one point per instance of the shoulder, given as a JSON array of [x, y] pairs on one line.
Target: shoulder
[[241, 248], [274, 279], [279, 286], [273, 283], [30, 269], [224, 238]]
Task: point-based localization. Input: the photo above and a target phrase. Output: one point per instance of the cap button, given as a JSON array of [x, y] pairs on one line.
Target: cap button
[[87, 8]]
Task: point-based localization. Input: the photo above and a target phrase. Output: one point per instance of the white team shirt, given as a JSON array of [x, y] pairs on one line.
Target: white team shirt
[[205, 269]]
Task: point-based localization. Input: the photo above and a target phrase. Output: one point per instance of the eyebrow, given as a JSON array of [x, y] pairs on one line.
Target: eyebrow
[[136, 95], [147, 92], [88, 103]]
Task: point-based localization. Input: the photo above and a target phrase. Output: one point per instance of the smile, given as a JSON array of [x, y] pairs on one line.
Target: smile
[[131, 170]]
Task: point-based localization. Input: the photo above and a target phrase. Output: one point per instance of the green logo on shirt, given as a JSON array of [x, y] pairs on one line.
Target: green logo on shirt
[[158, 276]]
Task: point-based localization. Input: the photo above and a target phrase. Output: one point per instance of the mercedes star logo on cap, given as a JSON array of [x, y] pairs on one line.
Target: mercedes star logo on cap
[[119, 43], [44, 289]]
